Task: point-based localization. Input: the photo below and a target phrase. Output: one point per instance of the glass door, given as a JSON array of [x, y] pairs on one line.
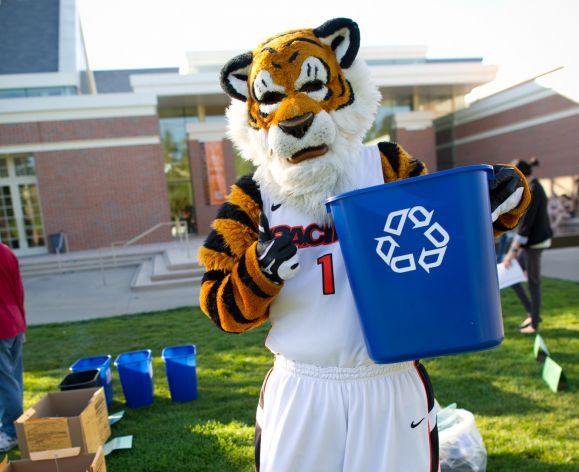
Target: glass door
[[177, 167], [9, 234], [21, 225]]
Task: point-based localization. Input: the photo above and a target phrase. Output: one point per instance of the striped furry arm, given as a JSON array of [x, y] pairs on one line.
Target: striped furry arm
[[510, 220], [235, 294], [397, 163]]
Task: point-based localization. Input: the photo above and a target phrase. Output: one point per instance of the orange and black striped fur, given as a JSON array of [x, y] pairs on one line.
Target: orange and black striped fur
[[301, 105]]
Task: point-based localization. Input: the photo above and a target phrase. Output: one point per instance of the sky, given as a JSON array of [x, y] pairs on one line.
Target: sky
[[524, 38]]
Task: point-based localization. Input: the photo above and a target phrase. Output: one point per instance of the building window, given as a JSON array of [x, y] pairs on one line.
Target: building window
[[32, 218], [13, 93], [38, 92], [173, 126], [21, 225], [381, 129], [3, 167], [8, 227], [214, 113], [24, 165]]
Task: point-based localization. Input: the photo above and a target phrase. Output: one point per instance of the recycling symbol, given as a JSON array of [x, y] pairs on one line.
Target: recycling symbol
[[434, 233]]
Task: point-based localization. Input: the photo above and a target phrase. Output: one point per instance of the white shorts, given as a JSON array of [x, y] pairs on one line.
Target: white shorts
[[370, 418]]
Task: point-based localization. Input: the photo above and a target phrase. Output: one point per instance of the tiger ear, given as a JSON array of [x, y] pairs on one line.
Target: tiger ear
[[234, 76], [343, 36]]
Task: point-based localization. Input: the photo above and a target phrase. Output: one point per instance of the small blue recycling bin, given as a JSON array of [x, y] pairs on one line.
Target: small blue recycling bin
[[103, 363], [181, 365], [136, 374], [420, 259]]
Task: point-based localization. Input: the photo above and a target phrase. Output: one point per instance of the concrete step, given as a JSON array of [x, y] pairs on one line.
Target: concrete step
[[67, 269], [162, 271], [106, 260], [144, 278], [179, 259], [68, 263]]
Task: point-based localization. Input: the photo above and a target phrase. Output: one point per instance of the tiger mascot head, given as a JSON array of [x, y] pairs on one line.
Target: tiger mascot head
[[302, 102]]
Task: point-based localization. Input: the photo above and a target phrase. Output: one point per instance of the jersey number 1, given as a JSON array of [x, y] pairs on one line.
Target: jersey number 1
[[327, 274]]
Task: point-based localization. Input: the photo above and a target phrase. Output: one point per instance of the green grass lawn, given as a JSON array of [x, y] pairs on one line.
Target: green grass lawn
[[525, 426]]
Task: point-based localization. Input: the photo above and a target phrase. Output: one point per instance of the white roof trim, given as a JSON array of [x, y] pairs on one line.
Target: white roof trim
[[444, 73], [503, 101], [84, 144], [413, 120], [77, 107], [470, 74], [209, 131], [203, 83], [45, 79]]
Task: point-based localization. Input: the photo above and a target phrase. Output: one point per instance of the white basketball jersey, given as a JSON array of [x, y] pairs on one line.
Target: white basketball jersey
[[314, 319]]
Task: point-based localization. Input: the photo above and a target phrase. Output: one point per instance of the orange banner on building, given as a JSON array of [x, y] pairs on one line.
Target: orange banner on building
[[215, 172]]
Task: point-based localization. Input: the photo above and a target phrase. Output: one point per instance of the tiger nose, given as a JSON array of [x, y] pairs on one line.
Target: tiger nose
[[297, 126]]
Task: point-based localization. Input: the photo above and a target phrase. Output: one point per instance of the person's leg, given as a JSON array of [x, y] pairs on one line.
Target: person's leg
[[534, 278], [519, 289], [10, 383], [392, 422], [301, 421], [19, 368]]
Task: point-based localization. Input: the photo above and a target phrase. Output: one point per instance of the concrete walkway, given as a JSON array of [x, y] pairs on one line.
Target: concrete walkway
[[561, 263], [82, 295]]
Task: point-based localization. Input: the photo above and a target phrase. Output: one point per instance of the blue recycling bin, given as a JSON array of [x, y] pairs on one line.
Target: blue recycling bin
[[103, 363], [420, 259], [136, 374], [181, 365]]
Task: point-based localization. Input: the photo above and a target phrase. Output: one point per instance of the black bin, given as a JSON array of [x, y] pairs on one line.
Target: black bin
[[82, 379]]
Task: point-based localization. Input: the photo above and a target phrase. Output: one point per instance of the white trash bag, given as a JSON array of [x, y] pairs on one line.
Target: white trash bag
[[460, 442]]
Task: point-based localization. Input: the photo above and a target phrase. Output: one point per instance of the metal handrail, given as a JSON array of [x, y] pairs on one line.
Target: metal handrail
[[182, 233], [178, 224], [147, 232]]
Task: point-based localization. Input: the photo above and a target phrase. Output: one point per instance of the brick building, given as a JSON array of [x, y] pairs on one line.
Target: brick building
[[532, 119], [103, 156]]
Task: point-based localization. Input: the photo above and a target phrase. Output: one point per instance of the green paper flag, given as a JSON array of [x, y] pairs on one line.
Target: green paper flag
[[553, 375], [540, 351]]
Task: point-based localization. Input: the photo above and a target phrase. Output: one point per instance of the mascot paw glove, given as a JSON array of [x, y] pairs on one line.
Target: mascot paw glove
[[278, 257], [506, 190]]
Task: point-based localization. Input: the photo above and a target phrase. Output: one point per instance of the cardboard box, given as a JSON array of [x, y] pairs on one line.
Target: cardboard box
[[63, 460], [61, 420]]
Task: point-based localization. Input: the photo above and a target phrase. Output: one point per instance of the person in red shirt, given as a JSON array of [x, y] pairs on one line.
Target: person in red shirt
[[12, 328]]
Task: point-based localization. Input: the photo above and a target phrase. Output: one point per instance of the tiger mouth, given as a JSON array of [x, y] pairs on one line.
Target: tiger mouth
[[308, 153]]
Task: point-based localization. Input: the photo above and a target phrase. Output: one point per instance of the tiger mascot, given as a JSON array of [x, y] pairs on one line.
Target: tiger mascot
[[302, 103]]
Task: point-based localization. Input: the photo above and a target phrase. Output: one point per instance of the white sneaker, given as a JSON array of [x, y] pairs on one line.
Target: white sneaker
[[7, 442]]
